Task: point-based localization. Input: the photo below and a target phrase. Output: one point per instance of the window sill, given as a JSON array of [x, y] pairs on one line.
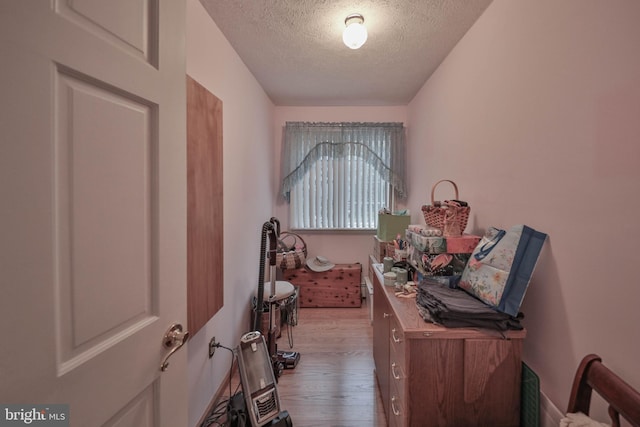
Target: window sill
[[359, 231]]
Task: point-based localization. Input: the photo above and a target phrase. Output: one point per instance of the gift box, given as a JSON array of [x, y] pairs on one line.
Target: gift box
[[464, 244], [389, 226], [433, 245]]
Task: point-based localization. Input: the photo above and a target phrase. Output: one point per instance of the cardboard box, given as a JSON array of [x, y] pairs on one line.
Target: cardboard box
[[389, 226], [380, 249]]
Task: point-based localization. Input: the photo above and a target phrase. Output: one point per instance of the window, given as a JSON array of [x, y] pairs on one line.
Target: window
[[339, 175]]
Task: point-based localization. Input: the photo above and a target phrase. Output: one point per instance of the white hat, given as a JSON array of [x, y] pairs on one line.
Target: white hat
[[320, 264]]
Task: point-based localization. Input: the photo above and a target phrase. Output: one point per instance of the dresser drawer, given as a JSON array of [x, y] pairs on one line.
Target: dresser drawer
[[396, 337], [398, 371], [397, 405], [397, 377], [397, 362]]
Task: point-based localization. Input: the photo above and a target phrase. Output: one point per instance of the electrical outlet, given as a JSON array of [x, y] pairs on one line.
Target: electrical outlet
[[212, 347]]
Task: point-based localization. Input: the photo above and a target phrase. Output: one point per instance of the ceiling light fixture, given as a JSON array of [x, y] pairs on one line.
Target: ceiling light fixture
[[355, 34]]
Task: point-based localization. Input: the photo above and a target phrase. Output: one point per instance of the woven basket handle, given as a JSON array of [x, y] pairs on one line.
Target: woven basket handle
[[304, 244], [433, 189], [296, 237]]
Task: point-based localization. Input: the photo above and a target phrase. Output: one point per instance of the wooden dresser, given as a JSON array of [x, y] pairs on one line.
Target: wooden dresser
[[430, 375]]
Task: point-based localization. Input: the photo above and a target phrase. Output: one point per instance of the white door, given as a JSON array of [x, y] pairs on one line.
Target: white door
[[93, 208]]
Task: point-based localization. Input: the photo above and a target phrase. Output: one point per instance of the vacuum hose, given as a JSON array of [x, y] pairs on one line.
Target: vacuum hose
[[267, 227]]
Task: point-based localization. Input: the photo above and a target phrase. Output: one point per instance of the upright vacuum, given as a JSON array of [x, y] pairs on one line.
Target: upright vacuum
[[259, 405], [285, 359]]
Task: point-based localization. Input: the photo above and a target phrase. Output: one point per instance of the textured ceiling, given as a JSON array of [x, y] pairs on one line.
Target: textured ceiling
[[294, 47]]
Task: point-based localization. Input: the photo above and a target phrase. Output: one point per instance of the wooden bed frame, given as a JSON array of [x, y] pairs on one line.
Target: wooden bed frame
[[592, 375]]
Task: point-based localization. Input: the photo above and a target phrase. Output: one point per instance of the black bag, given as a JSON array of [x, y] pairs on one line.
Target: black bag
[[455, 308]]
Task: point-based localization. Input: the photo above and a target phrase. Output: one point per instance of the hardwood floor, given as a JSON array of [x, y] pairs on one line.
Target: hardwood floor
[[334, 383]]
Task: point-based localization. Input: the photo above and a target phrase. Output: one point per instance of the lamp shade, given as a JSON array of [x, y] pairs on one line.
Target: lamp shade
[[355, 35]]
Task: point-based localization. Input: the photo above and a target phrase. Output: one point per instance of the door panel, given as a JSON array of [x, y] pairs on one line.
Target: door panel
[[132, 24], [138, 413], [104, 194], [93, 185]]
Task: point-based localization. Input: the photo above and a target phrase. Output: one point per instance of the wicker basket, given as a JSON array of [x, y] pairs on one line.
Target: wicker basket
[[450, 216], [291, 252]]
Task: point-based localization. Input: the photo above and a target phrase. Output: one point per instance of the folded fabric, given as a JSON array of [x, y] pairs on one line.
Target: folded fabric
[[579, 419], [448, 281], [455, 308]]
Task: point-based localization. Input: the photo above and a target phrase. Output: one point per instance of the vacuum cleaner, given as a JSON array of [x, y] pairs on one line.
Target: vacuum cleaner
[[289, 359], [258, 404], [259, 362], [280, 359]]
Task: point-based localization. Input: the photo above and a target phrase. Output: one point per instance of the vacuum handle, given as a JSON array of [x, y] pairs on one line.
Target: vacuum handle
[[276, 222], [273, 246]]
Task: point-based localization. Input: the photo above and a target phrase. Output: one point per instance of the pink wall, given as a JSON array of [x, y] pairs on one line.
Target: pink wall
[[247, 115], [339, 247], [536, 116]]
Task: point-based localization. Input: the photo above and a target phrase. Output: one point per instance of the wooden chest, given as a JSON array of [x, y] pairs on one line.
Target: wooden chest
[[338, 287]]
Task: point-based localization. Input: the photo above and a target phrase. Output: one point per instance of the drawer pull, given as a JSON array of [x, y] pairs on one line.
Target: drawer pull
[[393, 371], [395, 410], [393, 335], [385, 315]]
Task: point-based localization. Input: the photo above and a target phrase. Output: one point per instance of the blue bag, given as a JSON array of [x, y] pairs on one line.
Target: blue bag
[[500, 267]]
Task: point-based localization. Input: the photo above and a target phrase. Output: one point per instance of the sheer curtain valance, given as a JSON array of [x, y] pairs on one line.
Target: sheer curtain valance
[[381, 145]]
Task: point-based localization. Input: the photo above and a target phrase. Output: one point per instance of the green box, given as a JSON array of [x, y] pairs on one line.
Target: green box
[[389, 226]]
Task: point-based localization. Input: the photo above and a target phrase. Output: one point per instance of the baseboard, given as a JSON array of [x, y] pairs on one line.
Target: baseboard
[[550, 415], [219, 394]]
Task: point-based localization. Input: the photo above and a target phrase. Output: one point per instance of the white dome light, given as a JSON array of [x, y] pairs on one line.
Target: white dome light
[[355, 34]]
